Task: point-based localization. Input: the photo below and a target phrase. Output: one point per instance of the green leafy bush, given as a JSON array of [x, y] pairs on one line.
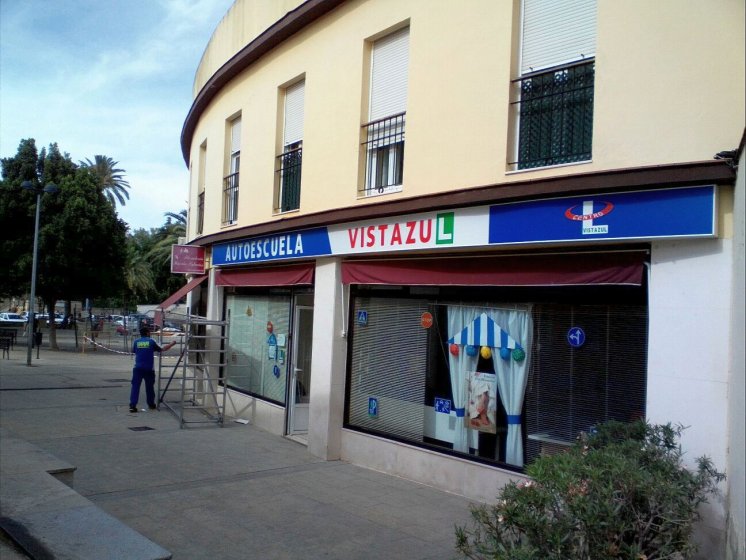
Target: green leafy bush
[[620, 493]]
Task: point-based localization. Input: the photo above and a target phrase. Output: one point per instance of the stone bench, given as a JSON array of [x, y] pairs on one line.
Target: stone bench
[[41, 512]]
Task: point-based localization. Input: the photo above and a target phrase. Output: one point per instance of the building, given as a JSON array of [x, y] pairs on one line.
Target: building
[[447, 236]]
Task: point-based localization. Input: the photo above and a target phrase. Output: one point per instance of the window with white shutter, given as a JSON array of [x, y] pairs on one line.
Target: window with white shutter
[[289, 161], [555, 91], [383, 135], [230, 182]]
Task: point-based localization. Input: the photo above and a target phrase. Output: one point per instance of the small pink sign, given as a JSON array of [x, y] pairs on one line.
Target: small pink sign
[[187, 259]]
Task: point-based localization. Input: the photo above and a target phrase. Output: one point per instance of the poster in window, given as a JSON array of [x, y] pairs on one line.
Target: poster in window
[[481, 401]]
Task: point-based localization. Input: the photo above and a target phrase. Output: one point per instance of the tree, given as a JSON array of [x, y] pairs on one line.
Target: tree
[[83, 244], [168, 235], [17, 215], [109, 179], [148, 274], [139, 276], [17, 208], [81, 239]]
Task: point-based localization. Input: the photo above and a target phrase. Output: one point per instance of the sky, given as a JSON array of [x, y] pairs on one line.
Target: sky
[[110, 77]]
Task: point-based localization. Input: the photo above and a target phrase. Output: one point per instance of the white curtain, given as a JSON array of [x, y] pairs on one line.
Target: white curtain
[[458, 318], [512, 376]]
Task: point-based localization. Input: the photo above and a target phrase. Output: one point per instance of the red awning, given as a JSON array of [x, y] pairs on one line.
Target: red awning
[[528, 270], [184, 290], [290, 275]]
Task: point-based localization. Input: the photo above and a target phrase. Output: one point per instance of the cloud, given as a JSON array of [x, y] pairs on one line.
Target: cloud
[[112, 78]]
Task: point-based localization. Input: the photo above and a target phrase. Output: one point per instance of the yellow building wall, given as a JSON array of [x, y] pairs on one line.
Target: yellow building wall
[[244, 21], [669, 88]]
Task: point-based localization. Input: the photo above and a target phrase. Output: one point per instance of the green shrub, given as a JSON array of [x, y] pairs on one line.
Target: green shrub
[[620, 493]]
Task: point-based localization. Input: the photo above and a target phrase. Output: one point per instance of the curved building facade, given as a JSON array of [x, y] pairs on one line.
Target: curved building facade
[[450, 236]]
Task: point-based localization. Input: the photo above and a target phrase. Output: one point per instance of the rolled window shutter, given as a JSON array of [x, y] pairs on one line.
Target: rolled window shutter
[[236, 136], [557, 32], [389, 69], [294, 113]]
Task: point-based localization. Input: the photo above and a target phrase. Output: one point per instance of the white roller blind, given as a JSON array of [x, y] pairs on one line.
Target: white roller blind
[[236, 135], [294, 113], [388, 81], [557, 32]]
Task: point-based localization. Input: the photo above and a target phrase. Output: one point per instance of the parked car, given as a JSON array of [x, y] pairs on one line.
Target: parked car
[[58, 318], [11, 320], [135, 320], [169, 329]]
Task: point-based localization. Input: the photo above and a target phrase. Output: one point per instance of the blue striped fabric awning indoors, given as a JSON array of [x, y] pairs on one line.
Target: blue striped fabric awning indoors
[[483, 331]]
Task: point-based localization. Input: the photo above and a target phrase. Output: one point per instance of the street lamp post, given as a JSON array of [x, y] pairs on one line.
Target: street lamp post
[[50, 188]]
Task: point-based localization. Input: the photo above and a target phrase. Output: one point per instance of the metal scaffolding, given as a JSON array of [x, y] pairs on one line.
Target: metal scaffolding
[[191, 388]]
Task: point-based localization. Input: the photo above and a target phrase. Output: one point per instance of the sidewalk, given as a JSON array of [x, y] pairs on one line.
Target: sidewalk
[[235, 492]]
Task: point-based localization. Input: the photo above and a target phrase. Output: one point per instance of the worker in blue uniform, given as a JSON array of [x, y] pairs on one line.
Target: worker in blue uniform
[[144, 349]]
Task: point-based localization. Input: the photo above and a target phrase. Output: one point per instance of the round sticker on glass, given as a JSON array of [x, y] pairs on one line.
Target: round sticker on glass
[[426, 320], [576, 337]]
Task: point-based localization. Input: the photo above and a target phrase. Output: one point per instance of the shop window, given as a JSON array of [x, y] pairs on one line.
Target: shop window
[[257, 345], [499, 382], [588, 367]]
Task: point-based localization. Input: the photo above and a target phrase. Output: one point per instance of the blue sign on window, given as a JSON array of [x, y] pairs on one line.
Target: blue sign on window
[[576, 337], [373, 407], [443, 405], [362, 318]]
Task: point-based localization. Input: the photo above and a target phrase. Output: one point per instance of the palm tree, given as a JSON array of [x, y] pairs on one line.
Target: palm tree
[[110, 179], [172, 230], [177, 222], [139, 274]]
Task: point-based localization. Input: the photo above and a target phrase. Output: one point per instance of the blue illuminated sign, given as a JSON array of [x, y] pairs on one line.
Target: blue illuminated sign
[[679, 212], [293, 245]]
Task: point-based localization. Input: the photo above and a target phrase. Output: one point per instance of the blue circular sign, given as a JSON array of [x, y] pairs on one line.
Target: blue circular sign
[[576, 337]]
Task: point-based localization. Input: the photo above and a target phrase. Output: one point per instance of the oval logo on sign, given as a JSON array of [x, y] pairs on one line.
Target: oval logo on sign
[[571, 215], [426, 320]]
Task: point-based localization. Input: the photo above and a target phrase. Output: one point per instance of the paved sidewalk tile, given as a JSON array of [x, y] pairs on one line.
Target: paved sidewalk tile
[[235, 492]]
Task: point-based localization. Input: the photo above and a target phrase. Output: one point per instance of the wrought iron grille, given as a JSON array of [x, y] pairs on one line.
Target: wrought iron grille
[[555, 112], [230, 199], [384, 147], [289, 166], [200, 212]]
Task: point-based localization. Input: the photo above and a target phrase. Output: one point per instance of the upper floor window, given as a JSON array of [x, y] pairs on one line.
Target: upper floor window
[[289, 161], [383, 134], [201, 188], [554, 94], [230, 182]]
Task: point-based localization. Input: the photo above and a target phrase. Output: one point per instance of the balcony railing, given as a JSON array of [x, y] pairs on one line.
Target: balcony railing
[[555, 113], [289, 166], [384, 148], [230, 199]]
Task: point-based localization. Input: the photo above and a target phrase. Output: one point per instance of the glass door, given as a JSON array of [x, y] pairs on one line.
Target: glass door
[[300, 370]]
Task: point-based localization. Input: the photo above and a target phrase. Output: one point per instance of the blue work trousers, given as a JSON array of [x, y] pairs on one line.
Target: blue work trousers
[[138, 376]]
